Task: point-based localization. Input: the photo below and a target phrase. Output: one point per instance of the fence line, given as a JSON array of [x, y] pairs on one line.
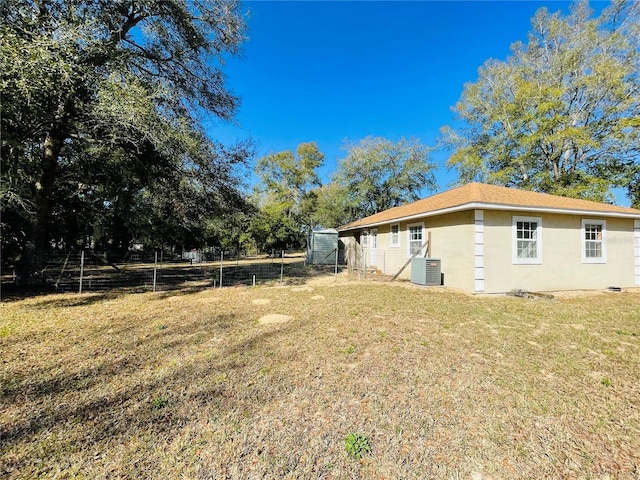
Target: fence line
[[85, 271], [385, 264]]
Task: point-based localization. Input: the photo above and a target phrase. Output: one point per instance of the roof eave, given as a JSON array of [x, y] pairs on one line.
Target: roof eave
[[492, 206]]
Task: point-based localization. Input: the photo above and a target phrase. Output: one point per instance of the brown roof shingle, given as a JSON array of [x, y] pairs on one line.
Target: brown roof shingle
[[487, 195]]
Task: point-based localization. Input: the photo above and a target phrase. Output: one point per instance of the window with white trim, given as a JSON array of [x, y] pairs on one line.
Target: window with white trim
[[415, 238], [395, 235], [527, 240], [364, 238], [594, 233]]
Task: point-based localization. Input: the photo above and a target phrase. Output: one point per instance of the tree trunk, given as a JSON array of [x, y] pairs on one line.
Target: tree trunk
[[119, 230], [34, 256]]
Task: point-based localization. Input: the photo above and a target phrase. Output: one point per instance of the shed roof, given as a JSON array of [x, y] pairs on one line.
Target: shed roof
[[483, 196]]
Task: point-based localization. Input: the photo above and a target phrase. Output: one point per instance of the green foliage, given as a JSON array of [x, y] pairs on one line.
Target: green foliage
[[332, 207], [378, 174], [273, 227], [606, 382], [288, 176], [102, 114], [561, 115], [6, 330], [356, 445], [286, 199], [159, 402]]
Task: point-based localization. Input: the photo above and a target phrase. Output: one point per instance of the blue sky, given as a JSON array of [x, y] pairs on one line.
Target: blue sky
[[330, 71]]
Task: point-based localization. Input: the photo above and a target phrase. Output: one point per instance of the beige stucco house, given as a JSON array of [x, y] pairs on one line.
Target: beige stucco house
[[492, 239]]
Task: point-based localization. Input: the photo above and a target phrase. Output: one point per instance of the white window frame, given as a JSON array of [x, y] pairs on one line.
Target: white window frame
[[603, 241], [421, 225], [537, 260], [364, 238], [394, 240]]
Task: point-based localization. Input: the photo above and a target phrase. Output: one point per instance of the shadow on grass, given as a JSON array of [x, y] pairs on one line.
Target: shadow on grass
[[68, 401], [181, 292], [10, 292], [107, 342], [82, 300]]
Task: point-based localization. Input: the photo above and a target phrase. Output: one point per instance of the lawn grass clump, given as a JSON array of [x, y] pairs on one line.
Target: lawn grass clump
[[159, 402], [356, 445], [419, 383]]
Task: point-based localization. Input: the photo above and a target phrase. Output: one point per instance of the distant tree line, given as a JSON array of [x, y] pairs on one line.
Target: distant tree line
[[375, 174]]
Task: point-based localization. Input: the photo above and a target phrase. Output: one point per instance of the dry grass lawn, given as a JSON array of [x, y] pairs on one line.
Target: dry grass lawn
[[266, 383]]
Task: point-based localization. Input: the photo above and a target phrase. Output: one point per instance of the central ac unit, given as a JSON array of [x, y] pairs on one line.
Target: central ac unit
[[426, 271]]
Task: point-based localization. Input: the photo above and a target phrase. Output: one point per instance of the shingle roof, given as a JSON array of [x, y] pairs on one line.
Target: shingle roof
[[480, 195]]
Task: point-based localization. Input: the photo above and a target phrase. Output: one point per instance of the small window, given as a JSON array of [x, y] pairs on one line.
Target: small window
[[364, 239], [415, 238], [395, 235], [527, 240], [593, 241]]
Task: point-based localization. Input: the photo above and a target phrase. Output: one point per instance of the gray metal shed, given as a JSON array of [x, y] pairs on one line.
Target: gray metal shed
[[322, 247]]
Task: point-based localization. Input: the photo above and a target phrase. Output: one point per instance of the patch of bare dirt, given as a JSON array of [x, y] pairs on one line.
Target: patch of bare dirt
[[274, 318]]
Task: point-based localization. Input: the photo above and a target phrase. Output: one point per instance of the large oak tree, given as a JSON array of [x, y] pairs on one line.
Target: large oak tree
[[104, 102], [562, 114]]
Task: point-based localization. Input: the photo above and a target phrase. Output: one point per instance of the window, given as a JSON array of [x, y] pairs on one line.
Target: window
[[364, 240], [395, 235], [527, 240], [593, 241], [415, 237]]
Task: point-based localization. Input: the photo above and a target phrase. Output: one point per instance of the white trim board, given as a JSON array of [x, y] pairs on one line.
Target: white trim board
[[493, 206], [636, 249], [479, 251]]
